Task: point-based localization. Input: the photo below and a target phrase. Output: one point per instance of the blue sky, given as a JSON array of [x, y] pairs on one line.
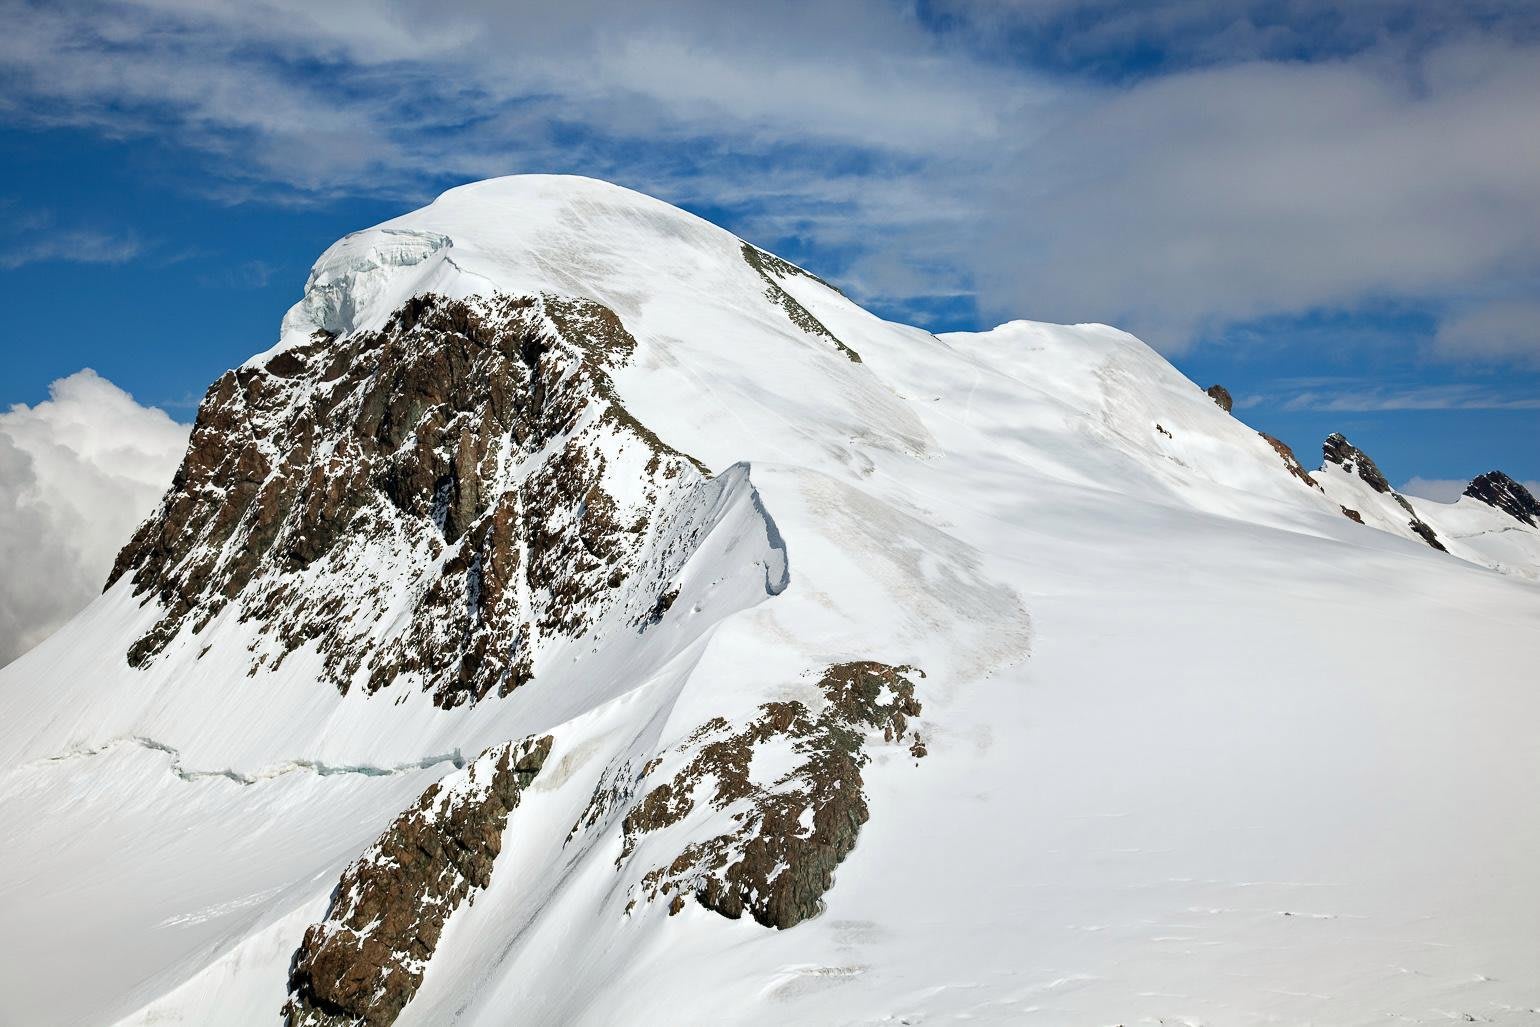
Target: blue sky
[[1334, 212]]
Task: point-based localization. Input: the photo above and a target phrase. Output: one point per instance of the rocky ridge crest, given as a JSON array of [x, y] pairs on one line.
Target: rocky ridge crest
[[1496, 489], [1339, 451], [430, 499]]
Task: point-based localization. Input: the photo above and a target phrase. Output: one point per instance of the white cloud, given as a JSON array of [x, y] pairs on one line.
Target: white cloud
[[421, 90], [1500, 330], [1401, 164], [1183, 33], [33, 237], [78, 472], [1220, 195], [1440, 490], [79, 246]]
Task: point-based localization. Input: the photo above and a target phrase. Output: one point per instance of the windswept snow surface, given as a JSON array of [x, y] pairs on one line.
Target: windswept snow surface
[[1201, 749]]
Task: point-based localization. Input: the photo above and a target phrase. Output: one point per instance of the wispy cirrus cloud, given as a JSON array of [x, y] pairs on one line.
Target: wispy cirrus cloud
[[1359, 398], [35, 238], [248, 274], [1500, 330]]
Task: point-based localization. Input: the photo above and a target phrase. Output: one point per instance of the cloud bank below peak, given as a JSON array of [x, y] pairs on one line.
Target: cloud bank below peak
[[78, 472]]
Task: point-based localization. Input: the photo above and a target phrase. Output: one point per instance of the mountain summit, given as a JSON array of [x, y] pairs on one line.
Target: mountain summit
[[582, 615], [1498, 490]]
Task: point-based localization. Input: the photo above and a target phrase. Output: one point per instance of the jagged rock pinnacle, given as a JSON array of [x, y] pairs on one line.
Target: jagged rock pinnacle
[[1496, 489], [1338, 450]]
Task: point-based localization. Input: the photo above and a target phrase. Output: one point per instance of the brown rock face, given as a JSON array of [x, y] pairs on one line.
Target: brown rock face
[[1498, 490], [791, 832], [1286, 454], [426, 499], [1221, 395], [365, 961]]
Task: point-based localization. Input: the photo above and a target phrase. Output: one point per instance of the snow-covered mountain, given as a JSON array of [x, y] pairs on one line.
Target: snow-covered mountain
[[1492, 524], [583, 616]]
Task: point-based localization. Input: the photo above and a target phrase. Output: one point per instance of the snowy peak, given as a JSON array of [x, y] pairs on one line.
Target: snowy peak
[[1494, 525], [532, 235], [1496, 489], [1339, 451], [731, 349]]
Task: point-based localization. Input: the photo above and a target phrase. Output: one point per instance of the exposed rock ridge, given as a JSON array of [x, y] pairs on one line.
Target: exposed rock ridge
[[1425, 531], [772, 268], [1498, 490], [433, 498], [792, 823], [1286, 454], [364, 962], [1338, 450]]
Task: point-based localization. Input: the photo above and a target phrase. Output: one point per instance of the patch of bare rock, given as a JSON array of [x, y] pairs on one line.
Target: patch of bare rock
[[365, 961], [790, 832], [472, 434]]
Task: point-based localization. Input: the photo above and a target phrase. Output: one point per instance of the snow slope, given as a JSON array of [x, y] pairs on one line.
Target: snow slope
[[1196, 747]]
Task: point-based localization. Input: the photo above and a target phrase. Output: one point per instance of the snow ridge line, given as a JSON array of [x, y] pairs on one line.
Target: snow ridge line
[[776, 579], [317, 767]]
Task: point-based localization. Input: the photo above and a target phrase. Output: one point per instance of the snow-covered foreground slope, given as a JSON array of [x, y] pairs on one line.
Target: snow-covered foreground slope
[[885, 677]]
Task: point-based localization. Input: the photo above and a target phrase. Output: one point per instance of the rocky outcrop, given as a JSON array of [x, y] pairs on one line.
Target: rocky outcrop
[[791, 824], [365, 961], [429, 499], [1338, 450], [1497, 490], [773, 270], [1286, 454], [1424, 531], [1221, 395]]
